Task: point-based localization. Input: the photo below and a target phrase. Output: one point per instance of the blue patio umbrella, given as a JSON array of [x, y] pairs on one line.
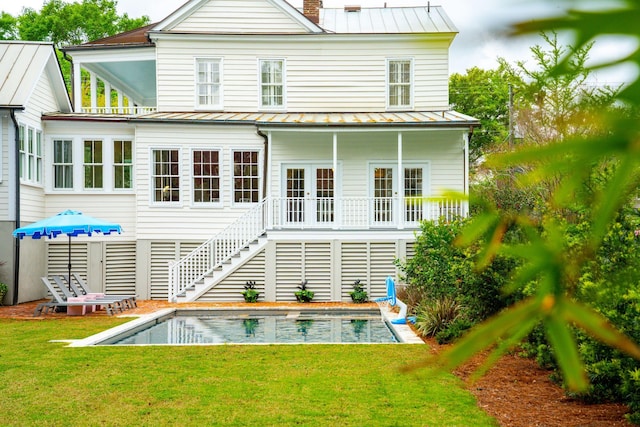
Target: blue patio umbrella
[[70, 222]]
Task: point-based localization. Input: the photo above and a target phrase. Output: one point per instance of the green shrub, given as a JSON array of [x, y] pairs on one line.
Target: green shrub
[[250, 292], [454, 331], [436, 315]]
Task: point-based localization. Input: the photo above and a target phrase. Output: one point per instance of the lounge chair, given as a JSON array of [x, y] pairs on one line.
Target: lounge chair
[[79, 286], [63, 285], [58, 300]]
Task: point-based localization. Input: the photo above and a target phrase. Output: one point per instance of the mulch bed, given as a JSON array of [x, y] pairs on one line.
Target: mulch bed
[[516, 391]]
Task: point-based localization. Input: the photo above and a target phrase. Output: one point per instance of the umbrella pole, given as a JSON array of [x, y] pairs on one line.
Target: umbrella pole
[[69, 266]]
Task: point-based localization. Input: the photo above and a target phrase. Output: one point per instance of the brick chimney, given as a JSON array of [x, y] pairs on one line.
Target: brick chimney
[[311, 9]]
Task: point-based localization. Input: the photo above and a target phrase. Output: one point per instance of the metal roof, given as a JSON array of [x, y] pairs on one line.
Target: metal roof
[[392, 20], [415, 118], [21, 64]]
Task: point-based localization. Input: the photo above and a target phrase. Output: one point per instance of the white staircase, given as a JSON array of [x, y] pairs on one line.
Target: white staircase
[[218, 257], [223, 271]]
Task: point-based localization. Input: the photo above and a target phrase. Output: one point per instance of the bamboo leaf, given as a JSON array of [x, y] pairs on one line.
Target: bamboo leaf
[[599, 327], [566, 353]]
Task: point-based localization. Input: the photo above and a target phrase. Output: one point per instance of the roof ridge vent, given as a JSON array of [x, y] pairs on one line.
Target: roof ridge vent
[[356, 8]]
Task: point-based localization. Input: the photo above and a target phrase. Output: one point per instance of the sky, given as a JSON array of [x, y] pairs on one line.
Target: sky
[[481, 25]]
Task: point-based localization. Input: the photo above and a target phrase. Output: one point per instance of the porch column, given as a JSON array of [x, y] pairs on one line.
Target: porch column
[[93, 92], [400, 187], [337, 215], [465, 206], [107, 97], [269, 177], [77, 87], [120, 102]]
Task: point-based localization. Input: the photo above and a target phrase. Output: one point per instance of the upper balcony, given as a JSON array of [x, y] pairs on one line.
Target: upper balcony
[[115, 75]]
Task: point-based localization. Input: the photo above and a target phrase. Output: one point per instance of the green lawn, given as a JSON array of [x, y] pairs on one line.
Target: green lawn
[[45, 383]]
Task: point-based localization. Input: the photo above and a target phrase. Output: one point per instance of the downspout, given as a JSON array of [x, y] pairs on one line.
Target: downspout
[[265, 160], [16, 255]]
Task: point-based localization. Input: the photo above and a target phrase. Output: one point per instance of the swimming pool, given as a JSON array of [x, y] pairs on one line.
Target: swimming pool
[[272, 326]]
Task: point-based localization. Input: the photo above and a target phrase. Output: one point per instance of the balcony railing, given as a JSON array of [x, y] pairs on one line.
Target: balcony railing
[[361, 213], [126, 111]]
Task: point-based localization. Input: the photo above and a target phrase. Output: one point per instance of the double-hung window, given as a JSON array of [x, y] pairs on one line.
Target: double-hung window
[[166, 175], [92, 164], [62, 164], [272, 81], [209, 83], [30, 163], [399, 83], [122, 164], [245, 177], [206, 176]]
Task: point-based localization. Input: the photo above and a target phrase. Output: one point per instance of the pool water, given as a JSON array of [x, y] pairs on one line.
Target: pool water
[[277, 328]]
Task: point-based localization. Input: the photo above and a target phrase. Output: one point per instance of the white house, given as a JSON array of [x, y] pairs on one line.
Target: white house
[[249, 140]]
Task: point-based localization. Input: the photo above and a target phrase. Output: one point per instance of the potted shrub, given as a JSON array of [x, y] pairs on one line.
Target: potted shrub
[[250, 293], [303, 294], [358, 295]]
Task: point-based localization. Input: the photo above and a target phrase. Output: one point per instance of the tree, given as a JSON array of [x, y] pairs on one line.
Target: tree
[[552, 106], [8, 27], [75, 23], [483, 94]]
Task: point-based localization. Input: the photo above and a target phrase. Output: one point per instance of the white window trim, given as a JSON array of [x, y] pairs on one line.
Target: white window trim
[[33, 181], [105, 184], [219, 203], [232, 177], [282, 107], [76, 167], [208, 107], [110, 173], [412, 84], [154, 203]]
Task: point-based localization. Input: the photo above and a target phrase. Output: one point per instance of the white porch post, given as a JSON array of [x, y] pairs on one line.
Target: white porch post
[[337, 215], [465, 206], [77, 87], [269, 177], [93, 92], [400, 187], [119, 101], [107, 97]]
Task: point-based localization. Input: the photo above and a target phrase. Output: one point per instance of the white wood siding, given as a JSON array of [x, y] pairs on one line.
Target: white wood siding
[[182, 220], [322, 75], [239, 16], [440, 151]]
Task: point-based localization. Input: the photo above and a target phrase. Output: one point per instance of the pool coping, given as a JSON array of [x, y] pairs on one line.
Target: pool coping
[[403, 332]]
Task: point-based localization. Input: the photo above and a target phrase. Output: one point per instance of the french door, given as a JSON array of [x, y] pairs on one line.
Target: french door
[[309, 195], [388, 207]]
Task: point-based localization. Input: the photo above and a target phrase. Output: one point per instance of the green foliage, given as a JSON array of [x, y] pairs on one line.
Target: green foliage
[[554, 262], [358, 295], [8, 27], [250, 292], [303, 294], [454, 330], [436, 315], [74, 23], [483, 94]]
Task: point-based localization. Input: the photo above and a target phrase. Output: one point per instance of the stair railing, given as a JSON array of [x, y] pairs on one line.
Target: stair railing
[[186, 272]]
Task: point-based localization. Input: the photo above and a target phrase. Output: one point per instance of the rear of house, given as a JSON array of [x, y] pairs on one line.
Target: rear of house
[[246, 140]]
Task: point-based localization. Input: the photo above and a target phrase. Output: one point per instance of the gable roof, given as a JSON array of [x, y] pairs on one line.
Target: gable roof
[[192, 6], [21, 66]]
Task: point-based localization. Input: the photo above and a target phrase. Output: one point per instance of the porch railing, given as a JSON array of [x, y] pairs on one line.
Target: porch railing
[[216, 251], [362, 213], [127, 111]]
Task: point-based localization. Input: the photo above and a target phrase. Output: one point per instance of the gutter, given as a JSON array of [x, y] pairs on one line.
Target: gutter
[[16, 249]]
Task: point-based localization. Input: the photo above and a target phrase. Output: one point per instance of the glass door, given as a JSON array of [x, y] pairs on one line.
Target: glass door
[[383, 195], [310, 196]]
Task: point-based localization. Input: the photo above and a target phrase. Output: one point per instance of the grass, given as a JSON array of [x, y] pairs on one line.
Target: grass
[[48, 383]]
